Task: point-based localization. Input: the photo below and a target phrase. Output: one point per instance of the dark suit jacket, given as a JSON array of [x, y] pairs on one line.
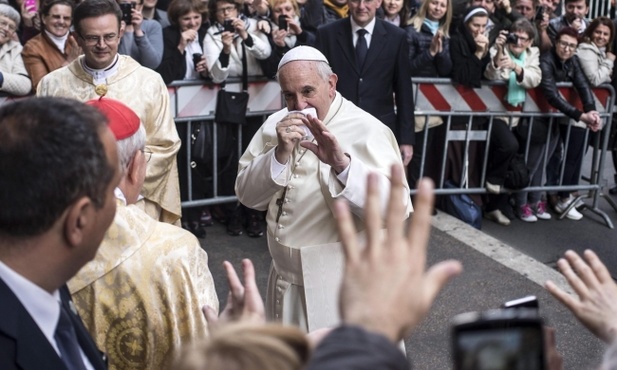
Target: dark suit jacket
[[385, 72], [23, 345]]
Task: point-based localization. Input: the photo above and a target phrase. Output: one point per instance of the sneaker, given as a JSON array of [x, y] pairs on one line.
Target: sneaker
[[254, 225], [573, 214], [498, 217], [542, 212], [206, 218], [526, 214]]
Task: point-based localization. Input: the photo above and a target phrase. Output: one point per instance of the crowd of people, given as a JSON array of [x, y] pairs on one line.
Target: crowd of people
[[90, 177]]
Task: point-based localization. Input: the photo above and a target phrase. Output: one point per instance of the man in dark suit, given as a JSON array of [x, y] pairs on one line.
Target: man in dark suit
[[59, 166], [371, 59]]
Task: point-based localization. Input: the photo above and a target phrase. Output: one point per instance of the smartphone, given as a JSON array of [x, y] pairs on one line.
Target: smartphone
[[539, 13], [196, 59], [283, 22], [228, 25], [30, 5], [498, 340], [127, 12]]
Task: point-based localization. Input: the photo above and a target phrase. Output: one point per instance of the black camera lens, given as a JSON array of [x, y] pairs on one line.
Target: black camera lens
[[512, 38]]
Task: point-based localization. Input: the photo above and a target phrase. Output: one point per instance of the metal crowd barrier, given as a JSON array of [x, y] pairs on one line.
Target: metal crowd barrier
[[193, 101], [439, 97]]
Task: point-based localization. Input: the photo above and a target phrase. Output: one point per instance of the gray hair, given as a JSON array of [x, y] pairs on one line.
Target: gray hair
[[10, 12], [129, 146], [323, 70]]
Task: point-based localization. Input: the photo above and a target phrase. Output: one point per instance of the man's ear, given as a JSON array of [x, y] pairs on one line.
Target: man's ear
[[77, 221], [134, 169], [121, 31]]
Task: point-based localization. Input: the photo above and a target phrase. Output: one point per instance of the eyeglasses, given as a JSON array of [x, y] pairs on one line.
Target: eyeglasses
[[566, 45], [147, 154], [226, 9], [94, 40], [523, 39], [6, 25]]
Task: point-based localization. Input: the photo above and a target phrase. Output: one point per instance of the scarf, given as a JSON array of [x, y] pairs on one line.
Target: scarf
[[516, 93], [342, 11], [432, 25]]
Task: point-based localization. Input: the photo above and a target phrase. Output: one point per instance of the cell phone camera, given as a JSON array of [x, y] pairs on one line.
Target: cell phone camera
[[228, 25], [127, 12]]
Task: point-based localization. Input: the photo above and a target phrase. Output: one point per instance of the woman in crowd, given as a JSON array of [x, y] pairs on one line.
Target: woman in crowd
[[183, 41], [597, 59], [142, 38], [518, 63], [429, 54], [594, 53], [232, 36], [30, 21], [396, 12], [13, 75], [283, 39], [55, 47], [470, 57], [225, 48], [560, 64]]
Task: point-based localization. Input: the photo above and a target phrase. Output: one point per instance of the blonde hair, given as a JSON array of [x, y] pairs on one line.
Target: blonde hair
[[294, 4], [444, 22], [249, 346]]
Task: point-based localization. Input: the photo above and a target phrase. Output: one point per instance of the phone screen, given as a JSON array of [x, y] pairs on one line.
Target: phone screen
[[516, 347], [31, 5]]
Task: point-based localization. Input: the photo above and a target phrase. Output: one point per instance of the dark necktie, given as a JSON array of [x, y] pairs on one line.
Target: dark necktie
[[361, 47], [66, 339]]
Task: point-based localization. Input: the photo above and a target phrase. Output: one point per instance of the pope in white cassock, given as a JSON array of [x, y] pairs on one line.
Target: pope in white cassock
[[296, 165], [102, 71]]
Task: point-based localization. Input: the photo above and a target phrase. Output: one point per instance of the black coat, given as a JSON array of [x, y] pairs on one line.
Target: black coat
[[23, 345], [385, 73], [553, 71], [173, 65], [422, 64], [467, 69]]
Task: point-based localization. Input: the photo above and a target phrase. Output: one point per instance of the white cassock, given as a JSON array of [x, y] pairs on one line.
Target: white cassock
[[300, 201]]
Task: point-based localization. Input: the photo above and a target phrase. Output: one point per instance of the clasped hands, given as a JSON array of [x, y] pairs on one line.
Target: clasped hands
[[290, 132]]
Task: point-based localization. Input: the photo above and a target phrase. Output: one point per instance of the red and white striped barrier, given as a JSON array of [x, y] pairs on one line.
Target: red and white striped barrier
[[199, 101], [446, 97]]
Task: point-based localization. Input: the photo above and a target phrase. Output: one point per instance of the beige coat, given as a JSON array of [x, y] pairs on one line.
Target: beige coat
[[16, 80], [597, 67]]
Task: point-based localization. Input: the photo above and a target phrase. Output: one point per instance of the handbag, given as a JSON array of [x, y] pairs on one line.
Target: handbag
[[462, 207], [231, 106]]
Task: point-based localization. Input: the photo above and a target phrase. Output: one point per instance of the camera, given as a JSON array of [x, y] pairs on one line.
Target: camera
[[512, 38], [228, 25], [509, 338], [282, 22], [127, 10], [539, 13], [196, 59]]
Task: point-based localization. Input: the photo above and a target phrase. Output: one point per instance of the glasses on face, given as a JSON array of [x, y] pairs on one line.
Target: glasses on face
[[108, 39], [147, 154], [565, 45], [523, 38], [361, 1], [7, 25], [226, 9]]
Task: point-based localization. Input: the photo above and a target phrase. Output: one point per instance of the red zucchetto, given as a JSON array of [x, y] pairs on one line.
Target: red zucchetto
[[123, 122]]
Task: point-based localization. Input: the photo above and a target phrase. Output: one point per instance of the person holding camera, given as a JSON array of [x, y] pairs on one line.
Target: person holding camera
[[284, 32], [539, 18], [183, 53], [514, 60], [575, 13], [142, 38]]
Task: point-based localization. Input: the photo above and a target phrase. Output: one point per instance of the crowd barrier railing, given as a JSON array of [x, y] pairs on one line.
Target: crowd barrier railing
[[195, 101], [439, 97]]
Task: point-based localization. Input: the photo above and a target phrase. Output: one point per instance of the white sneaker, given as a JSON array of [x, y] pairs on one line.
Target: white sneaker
[[498, 217], [526, 214], [541, 212], [573, 214]]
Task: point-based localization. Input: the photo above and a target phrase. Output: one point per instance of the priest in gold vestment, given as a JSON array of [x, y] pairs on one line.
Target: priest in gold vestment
[[142, 294], [102, 71], [296, 175]]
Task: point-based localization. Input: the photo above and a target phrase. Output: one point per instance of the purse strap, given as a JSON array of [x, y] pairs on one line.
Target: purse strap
[[245, 79]]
